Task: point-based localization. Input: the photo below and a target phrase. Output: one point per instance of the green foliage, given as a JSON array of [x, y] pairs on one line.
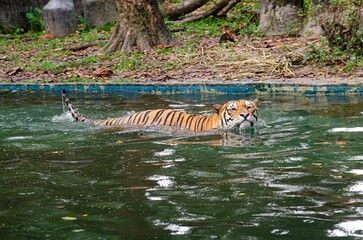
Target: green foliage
[[322, 52], [35, 21], [318, 52], [130, 61], [107, 27], [83, 26], [340, 2], [10, 30], [344, 41], [89, 60]]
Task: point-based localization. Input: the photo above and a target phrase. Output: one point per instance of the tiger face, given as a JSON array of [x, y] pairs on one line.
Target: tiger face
[[240, 114]]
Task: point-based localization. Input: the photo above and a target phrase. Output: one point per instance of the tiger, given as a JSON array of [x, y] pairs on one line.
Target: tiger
[[232, 114]]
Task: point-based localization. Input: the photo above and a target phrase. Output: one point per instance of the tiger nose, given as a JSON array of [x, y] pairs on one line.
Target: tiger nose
[[244, 115]]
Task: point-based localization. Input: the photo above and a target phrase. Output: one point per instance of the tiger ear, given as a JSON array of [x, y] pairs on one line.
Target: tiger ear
[[255, 101], [216, 108]]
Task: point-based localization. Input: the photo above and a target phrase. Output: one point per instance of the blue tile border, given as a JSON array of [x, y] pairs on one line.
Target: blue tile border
[[233, 88]]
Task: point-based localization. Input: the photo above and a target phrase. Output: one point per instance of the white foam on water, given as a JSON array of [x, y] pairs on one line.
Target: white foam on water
[[64, 117]]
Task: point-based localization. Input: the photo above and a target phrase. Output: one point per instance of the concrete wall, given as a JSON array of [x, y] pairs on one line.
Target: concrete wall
[[12, 12]]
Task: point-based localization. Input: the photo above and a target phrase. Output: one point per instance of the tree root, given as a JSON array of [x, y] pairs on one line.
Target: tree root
[[213, 11]]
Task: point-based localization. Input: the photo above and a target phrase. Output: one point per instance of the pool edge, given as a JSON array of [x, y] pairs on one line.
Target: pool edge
[[171, 88]]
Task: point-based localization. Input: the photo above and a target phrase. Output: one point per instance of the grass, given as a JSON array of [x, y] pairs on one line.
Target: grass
[[35, 55], [89, 60]]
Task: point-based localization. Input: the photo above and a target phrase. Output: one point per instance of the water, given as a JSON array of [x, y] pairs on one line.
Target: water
[[299, 174]]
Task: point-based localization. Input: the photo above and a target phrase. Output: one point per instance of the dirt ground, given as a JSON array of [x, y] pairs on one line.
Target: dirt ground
[[246, 60]]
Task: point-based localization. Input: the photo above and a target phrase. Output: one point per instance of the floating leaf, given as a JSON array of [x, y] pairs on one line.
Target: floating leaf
[[317, 164], [85, 215], [69, 218], [78, 230], [341, 142]]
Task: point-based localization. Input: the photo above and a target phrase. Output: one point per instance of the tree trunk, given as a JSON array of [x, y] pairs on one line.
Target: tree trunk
[[174, 11], [140, 23], [280, 17]]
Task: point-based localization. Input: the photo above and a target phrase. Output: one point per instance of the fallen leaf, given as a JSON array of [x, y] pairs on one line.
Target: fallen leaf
[[274, 44], [14, 71], [341, 142], [102, 72], [48, 36]]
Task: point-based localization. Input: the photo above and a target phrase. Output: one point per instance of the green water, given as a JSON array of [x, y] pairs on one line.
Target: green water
[[297, 175]]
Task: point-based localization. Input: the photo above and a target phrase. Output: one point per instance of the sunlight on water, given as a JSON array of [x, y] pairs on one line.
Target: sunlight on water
[[177, 229], [165, 152], [357, 187], [162, 181], [356, 171], [347, 229], [356, 129], [296, 175]]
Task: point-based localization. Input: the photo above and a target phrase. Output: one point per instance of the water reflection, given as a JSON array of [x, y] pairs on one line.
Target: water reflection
[[162, 181]]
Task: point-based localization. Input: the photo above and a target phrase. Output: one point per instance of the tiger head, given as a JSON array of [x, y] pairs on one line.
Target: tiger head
[[240, 113]]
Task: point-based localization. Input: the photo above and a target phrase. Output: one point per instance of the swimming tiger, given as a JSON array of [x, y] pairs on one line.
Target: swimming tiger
[[232, 114]]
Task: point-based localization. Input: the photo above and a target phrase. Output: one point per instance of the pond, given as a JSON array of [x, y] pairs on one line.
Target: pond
[[298, 174]]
